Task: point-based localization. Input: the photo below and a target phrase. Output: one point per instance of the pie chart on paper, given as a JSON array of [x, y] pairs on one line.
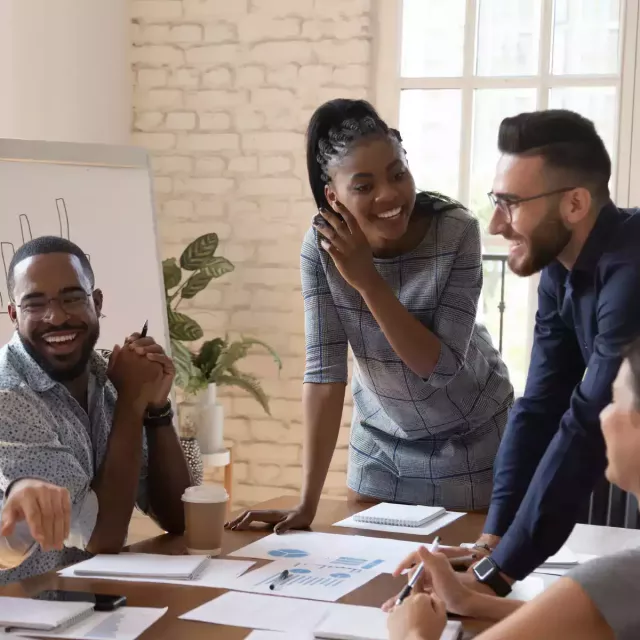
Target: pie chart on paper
[[288, 553]]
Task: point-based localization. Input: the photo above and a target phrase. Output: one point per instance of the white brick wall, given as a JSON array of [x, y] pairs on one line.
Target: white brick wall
[[223, 92]]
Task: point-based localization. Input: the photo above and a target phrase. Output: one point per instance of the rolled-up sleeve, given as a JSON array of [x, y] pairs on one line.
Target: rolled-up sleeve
[[325, 338], [455, 317], [30, 448]]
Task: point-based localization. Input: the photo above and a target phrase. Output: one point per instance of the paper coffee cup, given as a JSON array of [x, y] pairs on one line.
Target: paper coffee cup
[[205, 512]]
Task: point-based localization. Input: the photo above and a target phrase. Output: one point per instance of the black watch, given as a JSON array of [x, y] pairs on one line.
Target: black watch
[[487, 572], [162, 417]]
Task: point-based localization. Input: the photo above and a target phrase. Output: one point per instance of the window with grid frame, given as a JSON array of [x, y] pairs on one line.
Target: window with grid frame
[[448, 72]]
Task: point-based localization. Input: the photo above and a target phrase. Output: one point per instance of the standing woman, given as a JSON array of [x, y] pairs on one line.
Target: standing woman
[[396, 276]]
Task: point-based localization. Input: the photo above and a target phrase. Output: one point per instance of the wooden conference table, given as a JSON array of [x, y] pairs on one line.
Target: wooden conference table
[[180, 599]]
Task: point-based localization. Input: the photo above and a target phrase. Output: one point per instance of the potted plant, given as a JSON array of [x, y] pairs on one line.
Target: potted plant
[[200, 372]]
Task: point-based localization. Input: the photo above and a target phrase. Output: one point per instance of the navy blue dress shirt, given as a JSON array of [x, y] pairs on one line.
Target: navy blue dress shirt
[[553, 452]]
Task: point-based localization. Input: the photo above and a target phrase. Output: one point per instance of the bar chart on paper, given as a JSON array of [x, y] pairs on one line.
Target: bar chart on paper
[[328, 582]]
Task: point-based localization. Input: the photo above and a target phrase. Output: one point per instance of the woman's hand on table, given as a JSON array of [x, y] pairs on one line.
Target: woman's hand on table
[[419, 617], [283, 520]]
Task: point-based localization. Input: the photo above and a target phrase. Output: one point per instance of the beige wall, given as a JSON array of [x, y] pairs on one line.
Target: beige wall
[[223, 92], [65, 71]]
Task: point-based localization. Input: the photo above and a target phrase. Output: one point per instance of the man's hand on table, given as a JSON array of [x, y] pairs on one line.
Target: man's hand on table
[[45, 507]]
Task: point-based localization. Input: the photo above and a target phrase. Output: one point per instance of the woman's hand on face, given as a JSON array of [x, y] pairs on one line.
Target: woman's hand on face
[[344, 241]]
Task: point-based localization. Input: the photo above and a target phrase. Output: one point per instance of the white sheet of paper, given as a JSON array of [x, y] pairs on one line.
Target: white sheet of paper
[[328, 582], [279, 635], [428, 529], [362, 552], [350, 622], [126, 623], [526, 589], [255, 611], [561, 571], [215, 576]]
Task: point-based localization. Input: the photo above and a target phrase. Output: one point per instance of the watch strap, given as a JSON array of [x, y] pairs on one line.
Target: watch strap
[[492, 578], [160, 417]]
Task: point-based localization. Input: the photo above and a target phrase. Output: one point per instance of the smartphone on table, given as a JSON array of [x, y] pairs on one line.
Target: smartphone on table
[[100, 601]]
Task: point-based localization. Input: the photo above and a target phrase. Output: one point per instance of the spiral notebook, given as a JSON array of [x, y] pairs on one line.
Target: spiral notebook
[[399, 515], [42, 615]]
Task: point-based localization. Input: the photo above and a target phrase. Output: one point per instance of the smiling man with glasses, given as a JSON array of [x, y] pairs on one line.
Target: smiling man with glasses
[[82, 440], [552, 204]]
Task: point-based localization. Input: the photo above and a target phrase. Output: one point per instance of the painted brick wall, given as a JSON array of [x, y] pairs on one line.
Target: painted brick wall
[[223, 92]]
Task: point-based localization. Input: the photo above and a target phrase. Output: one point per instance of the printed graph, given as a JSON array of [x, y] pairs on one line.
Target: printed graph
[[288, 553]]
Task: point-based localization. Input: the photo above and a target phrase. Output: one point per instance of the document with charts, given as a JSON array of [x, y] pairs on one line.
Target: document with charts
[[328, 582], [363, 552]]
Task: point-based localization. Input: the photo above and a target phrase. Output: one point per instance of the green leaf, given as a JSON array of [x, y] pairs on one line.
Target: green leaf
[[259, 343], [249, 384], [171, 273], [229, 356], [207, 357], [200, 279], [182, 327], [218, 267], [199, 252], [182, 359]]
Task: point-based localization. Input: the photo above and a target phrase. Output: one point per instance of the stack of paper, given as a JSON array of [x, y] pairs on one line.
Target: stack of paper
[[142, 565], [565, 558]]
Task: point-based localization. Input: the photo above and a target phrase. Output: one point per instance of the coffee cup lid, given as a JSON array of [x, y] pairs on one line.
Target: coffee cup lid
[[205, 493]]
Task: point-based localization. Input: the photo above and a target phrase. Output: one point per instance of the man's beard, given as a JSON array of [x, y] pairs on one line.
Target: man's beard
[[58, 372], [544, 245]]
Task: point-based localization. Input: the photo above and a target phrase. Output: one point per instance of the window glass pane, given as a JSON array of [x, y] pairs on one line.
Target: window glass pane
[[599, 104], [515, 320], [430, 127], [490, 107], [586, 37], [508, 37], [432, 38]]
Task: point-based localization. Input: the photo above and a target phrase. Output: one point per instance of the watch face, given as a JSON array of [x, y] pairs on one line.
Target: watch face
[[483, 569]]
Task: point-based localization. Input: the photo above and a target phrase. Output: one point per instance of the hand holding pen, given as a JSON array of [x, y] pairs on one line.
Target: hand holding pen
[[417, 574]]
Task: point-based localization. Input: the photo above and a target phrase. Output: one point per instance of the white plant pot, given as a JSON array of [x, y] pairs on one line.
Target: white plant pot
[[211, 422]]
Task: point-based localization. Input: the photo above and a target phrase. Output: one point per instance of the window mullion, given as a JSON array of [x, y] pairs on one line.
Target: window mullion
[[466, 125], [544, 55]]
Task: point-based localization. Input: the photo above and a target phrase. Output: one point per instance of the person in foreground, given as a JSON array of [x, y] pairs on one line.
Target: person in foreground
[[552, 204], [597, 600], [81, 440], [396, 276]]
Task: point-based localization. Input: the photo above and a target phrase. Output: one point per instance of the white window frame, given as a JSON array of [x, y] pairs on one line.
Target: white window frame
[[388, 84]]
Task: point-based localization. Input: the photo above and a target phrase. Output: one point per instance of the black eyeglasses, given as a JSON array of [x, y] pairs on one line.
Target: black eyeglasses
[[71, 303], [506, 204]]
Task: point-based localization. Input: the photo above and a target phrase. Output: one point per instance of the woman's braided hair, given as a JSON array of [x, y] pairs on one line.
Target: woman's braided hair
[[333, 130]]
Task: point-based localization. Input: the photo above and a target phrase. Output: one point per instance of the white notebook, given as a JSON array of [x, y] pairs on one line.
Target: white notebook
[[42, 615], [564, 558], [142, 565], [399, 515], [350, 622]]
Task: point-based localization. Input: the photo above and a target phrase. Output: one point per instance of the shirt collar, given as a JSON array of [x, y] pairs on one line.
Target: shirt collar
[[607, 222], [38, 379]]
